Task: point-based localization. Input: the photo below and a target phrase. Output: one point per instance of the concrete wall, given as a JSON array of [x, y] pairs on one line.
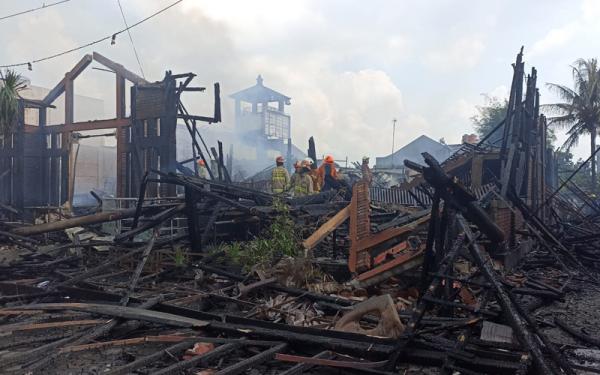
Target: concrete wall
[[96, 169]]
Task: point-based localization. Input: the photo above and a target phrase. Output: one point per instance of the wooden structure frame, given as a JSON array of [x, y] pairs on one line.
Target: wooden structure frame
[[36, 163]]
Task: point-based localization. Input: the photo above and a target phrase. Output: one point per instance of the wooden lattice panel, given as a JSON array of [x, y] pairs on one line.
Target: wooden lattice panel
[[360, 223]]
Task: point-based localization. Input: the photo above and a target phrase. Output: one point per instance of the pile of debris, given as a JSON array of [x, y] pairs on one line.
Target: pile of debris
[[390, 290]]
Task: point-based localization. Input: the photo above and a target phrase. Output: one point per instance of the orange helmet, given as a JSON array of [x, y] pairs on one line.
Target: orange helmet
[[279, 159], [201, 162], [329, 159]]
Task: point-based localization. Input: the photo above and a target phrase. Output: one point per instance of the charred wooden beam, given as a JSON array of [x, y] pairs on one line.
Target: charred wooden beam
[[457, 196], [90, 335], [247, 363], [191, 199], [304, 366], [101, 217], [579, 335], [420, 308], [122, 312], [199, 360], [516, 321], [153, 222], [174, 350]]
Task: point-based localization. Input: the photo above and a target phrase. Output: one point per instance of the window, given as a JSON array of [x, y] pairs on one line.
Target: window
[[277, 125]]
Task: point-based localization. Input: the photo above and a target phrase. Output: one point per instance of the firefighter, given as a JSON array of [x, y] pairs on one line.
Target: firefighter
[[367, 175], [312, 173], [202, 168], [280, 178], [328, 175], [304, 184], [296, 176]]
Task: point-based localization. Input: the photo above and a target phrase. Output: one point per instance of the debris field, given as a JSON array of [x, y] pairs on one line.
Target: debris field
[[493, 272]]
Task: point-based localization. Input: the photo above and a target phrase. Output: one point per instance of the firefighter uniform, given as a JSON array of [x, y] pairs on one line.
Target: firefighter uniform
[[280, 180], [303, 185]]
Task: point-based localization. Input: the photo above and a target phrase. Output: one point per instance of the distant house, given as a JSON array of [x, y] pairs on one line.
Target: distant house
[[412, 151]]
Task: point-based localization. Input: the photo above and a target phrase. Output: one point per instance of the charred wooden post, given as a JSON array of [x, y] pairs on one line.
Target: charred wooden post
[[218, 160], [457, 196], [151, 358], [192, 197], [420, 308], [222, 163], [516, 321], [140, 201], [312, 152], [247, 363], [512, 126], [190, 123], [428, 261]]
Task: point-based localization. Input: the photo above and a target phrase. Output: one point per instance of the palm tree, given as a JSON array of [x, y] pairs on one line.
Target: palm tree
[[580, 111], [12, 83]]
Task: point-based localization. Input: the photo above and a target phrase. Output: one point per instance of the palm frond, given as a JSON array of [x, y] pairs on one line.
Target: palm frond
[[12, 84], [571, 141], [562, 91], [562, 122]]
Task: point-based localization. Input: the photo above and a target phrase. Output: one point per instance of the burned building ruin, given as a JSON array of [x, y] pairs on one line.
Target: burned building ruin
[[37, 161]]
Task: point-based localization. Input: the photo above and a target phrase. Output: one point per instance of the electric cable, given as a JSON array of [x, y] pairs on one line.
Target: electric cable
[[131, 39], [34, 9], [112, 37]]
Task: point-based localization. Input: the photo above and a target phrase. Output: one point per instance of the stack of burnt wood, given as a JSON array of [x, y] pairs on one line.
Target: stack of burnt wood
[[423, 290]]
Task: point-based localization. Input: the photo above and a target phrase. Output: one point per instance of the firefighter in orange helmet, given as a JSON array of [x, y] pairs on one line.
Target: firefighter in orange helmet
[[201, 168], [328, 175], [280, 178]]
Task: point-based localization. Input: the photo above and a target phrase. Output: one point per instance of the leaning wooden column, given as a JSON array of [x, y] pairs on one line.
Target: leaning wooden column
[[517, 323]]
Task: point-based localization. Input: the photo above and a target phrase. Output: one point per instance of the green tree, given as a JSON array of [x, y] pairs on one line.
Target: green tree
[[566, 165], [579, 112], [12, 83], [489, 115]]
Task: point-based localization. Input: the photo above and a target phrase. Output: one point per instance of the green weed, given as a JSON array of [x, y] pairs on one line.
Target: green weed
[[279, 239]]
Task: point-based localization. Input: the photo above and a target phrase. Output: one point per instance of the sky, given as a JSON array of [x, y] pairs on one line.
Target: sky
[[350, 66]]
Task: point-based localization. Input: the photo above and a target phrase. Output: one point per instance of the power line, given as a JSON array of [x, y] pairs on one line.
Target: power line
[[34, 9], [112, 36], [131, 39]]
